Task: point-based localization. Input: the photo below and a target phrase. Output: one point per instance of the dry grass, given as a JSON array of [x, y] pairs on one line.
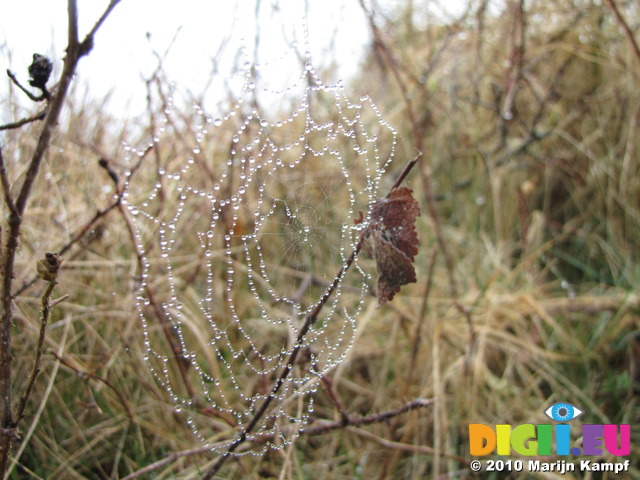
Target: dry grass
[[540, 212]]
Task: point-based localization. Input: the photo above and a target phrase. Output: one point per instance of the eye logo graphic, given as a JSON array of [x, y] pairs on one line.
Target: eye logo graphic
[[563, 412], [545, 439]]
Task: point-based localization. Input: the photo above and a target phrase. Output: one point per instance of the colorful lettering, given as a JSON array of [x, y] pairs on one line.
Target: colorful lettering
[[533, 440], [482, 439], [611, 439], [563, 438], [592, 436], [544, 439], [503, 433], [523, 440]]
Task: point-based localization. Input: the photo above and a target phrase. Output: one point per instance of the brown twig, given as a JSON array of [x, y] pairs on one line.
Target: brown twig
[[181, 361], [169, 459], [101, 20], [369, 419], [100, 213], [417, 340], [86, 374], [418, 129], [75, 50], [328, 383], [322, 426], [514, 75], [420, 449], [46, 309], [45, 93], [24, 121], [120, 188], [6, 186], [299, 342], [625, 26]]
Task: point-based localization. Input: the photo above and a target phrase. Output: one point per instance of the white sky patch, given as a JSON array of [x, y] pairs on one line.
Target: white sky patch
[[208, 35]]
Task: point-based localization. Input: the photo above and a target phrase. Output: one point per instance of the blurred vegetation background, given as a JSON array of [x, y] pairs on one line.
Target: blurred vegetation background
[[526, 113]]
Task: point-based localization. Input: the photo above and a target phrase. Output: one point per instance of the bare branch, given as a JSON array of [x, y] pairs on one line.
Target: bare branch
[[403, 446], [46, 310], [328, 383], [72, 19], [89, 38], [625, 26], [45, 94], [418, 130], [369, 419], [86, 374], [6, 185], [101, 213], [13, 125], [176, 348], [74, 52], [320, 427], [172, 457], [309, 320]]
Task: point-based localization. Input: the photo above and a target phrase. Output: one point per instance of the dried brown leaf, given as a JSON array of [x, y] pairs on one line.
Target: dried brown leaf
[[395, 241]]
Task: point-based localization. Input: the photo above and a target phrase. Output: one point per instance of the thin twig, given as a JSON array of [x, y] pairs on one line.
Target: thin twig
[[6, 186], [418, 129], [514, 75], [101, 20], [172, 457], [422, 449], [405, 171], [328, 383], [369, 419], [75, 238], [46, 309], [25, 438], [24, 121], [86, 374], [417, 340], [322, 426], [182, 362], [45, 94], [625, 26], [100, 213], [299, 343]]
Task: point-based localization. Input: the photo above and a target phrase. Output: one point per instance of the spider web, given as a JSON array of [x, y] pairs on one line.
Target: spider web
[[239, 244]]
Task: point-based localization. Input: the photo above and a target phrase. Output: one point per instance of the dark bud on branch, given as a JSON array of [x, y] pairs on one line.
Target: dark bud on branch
[[40, 71], [48, 267]]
